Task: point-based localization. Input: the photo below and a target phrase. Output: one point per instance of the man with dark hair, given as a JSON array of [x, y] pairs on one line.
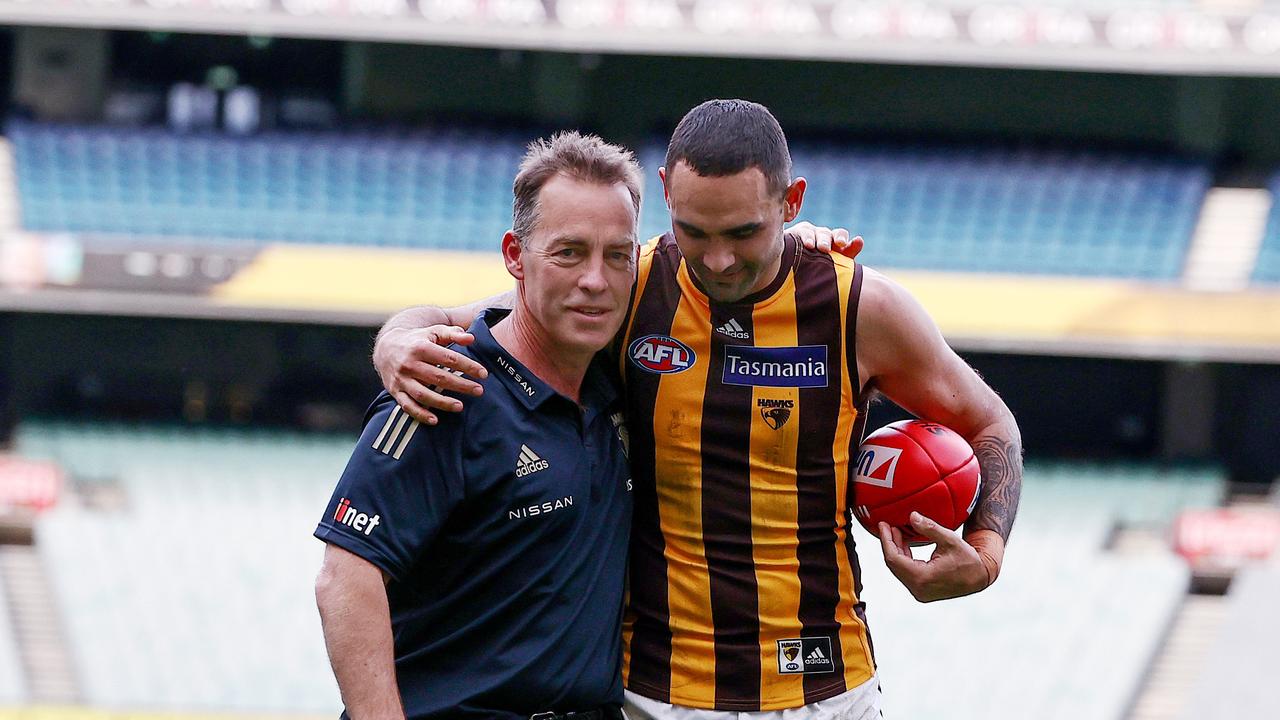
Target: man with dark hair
[[474, 568], [744, 591]]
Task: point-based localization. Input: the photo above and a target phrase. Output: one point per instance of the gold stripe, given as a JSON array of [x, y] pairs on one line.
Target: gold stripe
[[413, 427], [677, 432], [390, 418], [775, 513], [642, 279], [854, 646], [395, 433]]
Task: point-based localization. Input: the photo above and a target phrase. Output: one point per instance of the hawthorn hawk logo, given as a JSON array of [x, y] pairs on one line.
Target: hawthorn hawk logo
[[775, 413]]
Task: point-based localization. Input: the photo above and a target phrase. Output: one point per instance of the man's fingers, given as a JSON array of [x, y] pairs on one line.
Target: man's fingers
[[944, 537], [441, 379], [852, 247], [454, 334], [823, 240], [416, 411], [803, 233], [432, 350], [427, 397], [895, 553]]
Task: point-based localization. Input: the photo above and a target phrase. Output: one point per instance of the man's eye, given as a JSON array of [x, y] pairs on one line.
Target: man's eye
[[567, 252]]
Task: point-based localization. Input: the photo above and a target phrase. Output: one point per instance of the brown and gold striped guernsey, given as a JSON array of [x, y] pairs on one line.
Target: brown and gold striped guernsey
[[744, 583]]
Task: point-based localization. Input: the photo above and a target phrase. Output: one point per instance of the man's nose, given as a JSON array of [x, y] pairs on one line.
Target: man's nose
[[593, 278], [718, 257]]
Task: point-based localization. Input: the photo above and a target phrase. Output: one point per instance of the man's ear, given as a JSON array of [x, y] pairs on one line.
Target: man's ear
[[666, 195], [513, 255], [793, 199]]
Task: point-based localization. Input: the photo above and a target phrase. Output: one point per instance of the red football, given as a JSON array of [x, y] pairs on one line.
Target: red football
[[914, 465]]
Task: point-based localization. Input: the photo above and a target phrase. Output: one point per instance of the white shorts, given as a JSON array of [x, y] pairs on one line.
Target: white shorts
[[860, 703]]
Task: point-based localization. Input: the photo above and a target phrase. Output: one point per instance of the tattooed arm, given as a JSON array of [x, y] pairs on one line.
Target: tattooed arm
[[1000, 457], [902, 355]]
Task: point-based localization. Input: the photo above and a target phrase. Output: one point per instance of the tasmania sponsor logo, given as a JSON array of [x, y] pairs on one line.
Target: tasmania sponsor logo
[[804, 366], [354, 519], [661, 354], [876, 464]]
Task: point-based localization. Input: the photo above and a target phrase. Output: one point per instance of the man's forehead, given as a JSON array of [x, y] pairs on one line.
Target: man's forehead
[[683, 170]]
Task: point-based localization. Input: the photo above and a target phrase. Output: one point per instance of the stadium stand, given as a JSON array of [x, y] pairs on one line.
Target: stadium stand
[[996, 210], [1267, 269], [12, 685], [1237, 678], [936, 208], [1070, 628], [198, 588], [197, 595], [444, 189]]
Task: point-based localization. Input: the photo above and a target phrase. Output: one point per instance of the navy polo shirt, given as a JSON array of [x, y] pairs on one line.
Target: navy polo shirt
[[504, 529]]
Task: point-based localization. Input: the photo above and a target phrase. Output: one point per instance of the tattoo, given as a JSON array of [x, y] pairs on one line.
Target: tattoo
[[1001, 462]]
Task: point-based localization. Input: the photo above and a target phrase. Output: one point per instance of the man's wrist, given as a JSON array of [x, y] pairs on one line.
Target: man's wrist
[[990, 547]]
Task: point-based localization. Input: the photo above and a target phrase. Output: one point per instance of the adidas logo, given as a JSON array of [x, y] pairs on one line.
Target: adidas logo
[[815, 657], [733, 329], [529, 463]]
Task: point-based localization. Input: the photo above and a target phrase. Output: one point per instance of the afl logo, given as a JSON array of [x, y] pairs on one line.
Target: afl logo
[[661, 354]]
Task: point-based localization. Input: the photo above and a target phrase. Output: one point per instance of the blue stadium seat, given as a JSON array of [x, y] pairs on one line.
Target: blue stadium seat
[[972, 208], [442, 189], [1267, 269]]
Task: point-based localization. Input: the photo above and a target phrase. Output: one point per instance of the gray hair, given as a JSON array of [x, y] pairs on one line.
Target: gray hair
[[578, 156]]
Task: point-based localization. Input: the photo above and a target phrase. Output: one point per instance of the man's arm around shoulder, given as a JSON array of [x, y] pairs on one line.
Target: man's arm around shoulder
[[352, 597], [902, 354], [414, 362]]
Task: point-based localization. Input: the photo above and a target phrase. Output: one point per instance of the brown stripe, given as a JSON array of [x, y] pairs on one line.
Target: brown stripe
[[650, 654], [726, 522], [818, 322], [855, 439]]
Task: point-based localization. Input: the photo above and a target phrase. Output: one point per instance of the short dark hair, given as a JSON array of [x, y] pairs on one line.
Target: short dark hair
[[725, 137], [581, 157]]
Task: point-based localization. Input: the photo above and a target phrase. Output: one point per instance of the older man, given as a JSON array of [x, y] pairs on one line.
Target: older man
[[474, 567]]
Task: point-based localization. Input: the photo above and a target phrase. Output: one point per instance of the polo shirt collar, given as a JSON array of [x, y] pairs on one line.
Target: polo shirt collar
[[598, 390]]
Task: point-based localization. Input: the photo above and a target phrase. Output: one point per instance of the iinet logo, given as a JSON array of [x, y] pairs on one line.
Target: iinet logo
[[354, 519]]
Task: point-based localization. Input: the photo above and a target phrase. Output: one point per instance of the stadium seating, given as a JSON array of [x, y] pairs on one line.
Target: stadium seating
[[1017, 211], [937, 208], [1069, 629], [196, 593], [12, 686], [1267, 269], [442, 189], [1237, 677]]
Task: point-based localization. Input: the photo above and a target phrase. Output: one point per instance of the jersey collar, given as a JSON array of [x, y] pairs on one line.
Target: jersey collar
[[598, 389]]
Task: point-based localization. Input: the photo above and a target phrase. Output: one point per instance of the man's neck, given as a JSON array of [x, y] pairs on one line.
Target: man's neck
[[520, 335]]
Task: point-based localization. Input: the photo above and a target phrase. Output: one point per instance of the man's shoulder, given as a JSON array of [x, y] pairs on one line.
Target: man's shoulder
[[808, 255]]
